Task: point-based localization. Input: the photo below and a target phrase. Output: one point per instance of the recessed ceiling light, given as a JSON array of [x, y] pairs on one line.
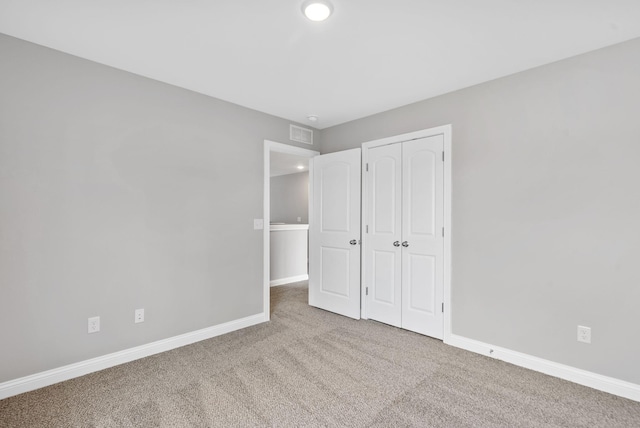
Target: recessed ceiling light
[[317, 10], [312, 118], [300, 166]]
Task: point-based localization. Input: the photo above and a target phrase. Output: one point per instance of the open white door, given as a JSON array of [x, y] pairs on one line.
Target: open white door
[[334, 233]]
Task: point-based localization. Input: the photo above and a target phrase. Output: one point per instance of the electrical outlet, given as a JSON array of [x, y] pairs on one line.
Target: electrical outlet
[[139, 316], [258, 223], [93, 325], [299, 219], [584, 334]]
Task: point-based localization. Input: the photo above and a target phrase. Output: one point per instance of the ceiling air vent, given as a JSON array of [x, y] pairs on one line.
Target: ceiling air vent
[[301, 135]]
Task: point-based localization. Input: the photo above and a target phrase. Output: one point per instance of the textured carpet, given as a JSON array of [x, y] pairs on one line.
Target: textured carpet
[[308, 367]]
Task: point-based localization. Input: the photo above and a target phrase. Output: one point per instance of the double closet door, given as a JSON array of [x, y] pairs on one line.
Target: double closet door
[[404, 248]]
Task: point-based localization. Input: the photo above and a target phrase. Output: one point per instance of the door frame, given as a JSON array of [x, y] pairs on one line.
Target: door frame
[[445, 131], [272, 146]]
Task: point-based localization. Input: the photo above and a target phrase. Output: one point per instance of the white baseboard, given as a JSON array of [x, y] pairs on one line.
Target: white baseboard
[[49, 377], [593, 380], [288, 280]]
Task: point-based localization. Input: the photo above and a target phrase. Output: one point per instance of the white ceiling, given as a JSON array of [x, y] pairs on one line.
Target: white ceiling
[[368, 57], [285, 163]]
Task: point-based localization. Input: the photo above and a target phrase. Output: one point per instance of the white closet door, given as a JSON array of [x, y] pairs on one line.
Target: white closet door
[[334, 253], [422, 240], [382, 257]]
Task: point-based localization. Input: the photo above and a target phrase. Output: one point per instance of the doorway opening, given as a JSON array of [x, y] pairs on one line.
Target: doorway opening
[[281, 160]]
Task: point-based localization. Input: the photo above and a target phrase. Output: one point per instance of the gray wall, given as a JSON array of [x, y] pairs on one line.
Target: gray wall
[[546, 202], [290, 198], [119, 192]]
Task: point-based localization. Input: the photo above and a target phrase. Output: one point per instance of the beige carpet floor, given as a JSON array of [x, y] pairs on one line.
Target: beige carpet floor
[[311, 368]]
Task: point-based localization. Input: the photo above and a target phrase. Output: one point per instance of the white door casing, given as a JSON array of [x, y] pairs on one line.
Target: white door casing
[[269, 147], [334, 233]]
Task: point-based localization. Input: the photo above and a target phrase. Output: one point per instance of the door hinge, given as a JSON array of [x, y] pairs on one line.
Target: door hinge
[[367, 228], [367, 167], [442, 156], [442, 307], [366, 291], [443, 232]]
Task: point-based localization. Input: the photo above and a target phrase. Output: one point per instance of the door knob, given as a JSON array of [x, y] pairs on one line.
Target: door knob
[[396, 244], [405, 244], [353, 242]]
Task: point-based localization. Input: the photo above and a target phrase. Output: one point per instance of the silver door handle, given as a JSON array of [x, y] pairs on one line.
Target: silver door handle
[[405, 244], [353, 242], [396, 244]]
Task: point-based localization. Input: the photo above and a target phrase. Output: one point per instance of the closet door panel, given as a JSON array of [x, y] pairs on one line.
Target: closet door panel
[[421, 283], [420, 193], [382, 257], [423, 244]]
